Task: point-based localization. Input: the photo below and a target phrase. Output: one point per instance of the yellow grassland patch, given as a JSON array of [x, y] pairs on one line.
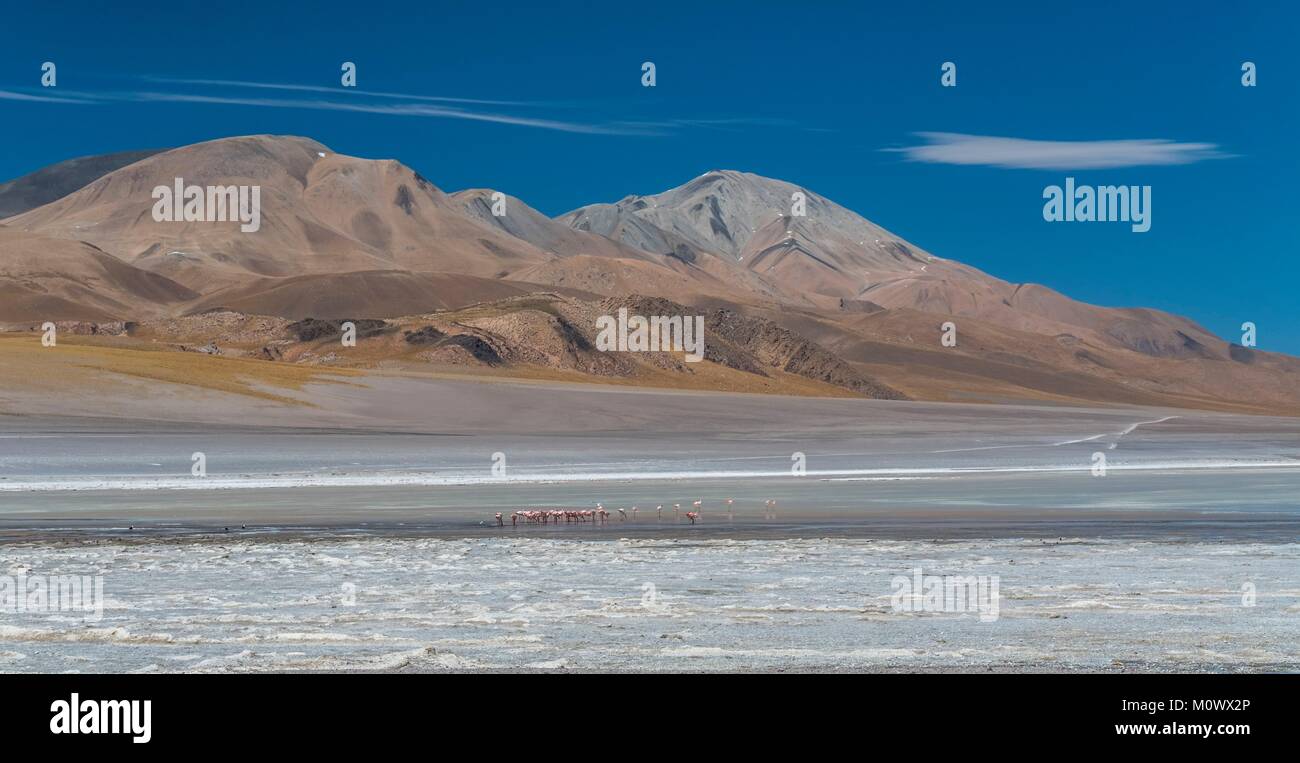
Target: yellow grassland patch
[[24, 361]]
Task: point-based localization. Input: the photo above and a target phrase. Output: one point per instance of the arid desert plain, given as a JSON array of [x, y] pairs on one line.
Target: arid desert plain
[[359, 532]]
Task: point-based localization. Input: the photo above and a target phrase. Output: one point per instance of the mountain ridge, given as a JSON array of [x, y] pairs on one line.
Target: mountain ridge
[[344, 236]]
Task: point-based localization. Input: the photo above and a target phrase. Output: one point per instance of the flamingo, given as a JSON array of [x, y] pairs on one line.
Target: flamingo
[[634, 513], [622, 515], [730, 515], [676, 507], [500, 522], [514, 519], [659, 511], [691, 515]]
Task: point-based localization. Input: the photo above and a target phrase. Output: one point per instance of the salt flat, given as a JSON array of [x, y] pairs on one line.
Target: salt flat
[[359, 534], [448, 454], [557, 604]]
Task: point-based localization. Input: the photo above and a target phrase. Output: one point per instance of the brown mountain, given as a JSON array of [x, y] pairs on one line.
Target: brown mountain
[[321, 213], [347, 237], [831, 254], [52, 279], [58, 180]]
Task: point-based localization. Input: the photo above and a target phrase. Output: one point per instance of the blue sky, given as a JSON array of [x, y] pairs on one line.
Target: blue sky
[[551, 109]]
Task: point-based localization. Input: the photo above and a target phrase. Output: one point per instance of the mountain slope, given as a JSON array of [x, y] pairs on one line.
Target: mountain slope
[[833, 253], [348, 237], [58, 180], [359, 294], [320, 213], [50, 279], [606, 265]]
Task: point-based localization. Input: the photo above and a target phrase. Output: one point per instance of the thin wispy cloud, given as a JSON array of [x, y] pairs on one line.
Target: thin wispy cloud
[[396, 109], [728, 124], [9, 95], [1023, 153], [392, 104], [335, 90]]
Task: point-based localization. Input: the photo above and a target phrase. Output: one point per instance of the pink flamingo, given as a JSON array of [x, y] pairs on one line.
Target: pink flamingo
[[676, 507], [691, 515], [500, 521], [622, 515], [659, 511]]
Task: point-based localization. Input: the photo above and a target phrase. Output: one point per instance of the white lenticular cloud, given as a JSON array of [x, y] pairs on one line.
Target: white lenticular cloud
[[1023, 153]]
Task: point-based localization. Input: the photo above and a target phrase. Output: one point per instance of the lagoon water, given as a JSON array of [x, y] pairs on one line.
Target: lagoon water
[[335, 549]]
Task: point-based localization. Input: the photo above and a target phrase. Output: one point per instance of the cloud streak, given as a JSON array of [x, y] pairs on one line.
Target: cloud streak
[[9, 95], [1023, 153], [339, 99], [395, 109], [336, 90]]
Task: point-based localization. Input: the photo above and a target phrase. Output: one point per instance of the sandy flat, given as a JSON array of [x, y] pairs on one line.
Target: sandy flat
[[383, 450]]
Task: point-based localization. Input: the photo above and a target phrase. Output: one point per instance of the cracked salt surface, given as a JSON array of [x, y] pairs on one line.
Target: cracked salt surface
[[407, 603]]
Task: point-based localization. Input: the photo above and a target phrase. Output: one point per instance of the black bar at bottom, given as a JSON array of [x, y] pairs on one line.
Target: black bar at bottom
[[301, 713]]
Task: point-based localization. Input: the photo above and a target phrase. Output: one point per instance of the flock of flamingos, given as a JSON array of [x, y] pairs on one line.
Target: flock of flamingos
[[599, 515]]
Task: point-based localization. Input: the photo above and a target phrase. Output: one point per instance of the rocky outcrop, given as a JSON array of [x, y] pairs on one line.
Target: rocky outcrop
[[781, 348], [311, 329], [753, 344]]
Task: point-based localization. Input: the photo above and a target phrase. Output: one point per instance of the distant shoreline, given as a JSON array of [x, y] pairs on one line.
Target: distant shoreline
[[264, 482]]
